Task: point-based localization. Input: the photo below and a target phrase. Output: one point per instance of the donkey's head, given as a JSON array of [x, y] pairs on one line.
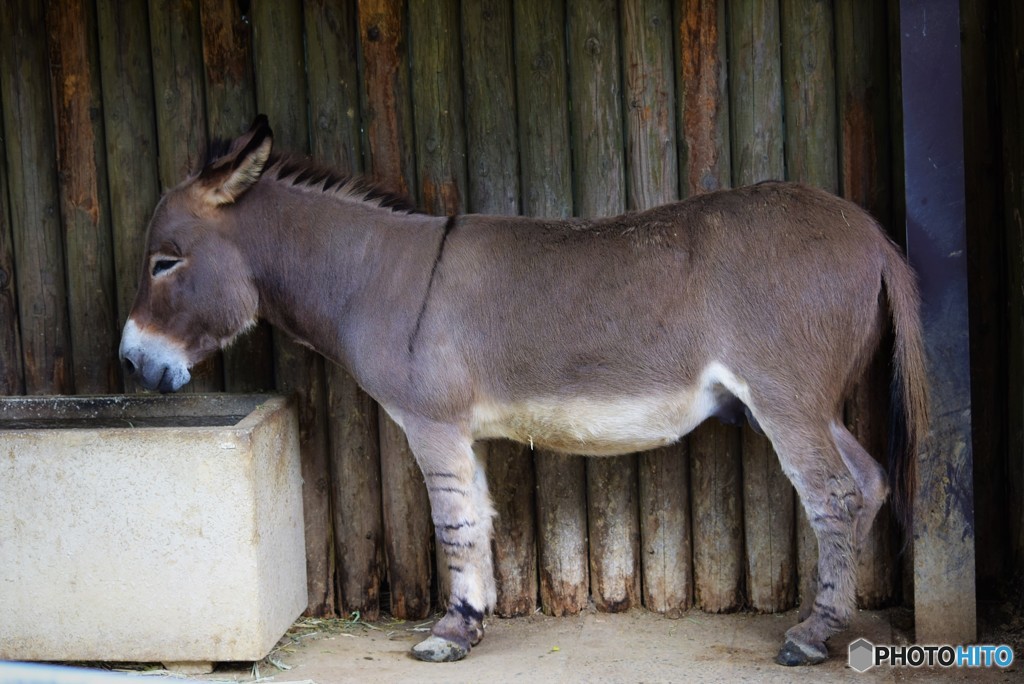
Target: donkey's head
[[197, 290]]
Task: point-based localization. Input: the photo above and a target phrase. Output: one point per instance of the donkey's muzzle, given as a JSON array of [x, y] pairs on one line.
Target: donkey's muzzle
[[151, 361], [155, 376]]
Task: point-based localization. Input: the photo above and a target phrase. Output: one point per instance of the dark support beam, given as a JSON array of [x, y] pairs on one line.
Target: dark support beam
[[944, 573]]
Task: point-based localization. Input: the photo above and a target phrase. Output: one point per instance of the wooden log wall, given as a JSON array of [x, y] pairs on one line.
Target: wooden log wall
[[535, 107]]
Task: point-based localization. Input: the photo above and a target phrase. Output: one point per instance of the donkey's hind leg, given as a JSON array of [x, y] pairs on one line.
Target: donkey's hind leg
[[832, 500], [870, 478], [462, 513]]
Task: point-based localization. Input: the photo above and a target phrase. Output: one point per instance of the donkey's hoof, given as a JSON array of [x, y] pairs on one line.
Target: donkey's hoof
[[435, 649], [792, 654]]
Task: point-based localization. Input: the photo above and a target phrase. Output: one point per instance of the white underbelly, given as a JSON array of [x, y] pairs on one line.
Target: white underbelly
[[607, 426]]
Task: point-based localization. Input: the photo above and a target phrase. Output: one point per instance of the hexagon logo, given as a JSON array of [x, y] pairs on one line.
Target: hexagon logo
[[862, 655]]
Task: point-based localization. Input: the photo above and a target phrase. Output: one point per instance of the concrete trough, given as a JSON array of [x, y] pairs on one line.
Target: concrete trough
[[149, 528]]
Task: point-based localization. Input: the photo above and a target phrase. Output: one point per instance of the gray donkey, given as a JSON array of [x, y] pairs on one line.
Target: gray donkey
[[598, 337]]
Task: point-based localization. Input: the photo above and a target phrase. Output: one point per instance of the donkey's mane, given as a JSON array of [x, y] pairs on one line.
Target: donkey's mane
[[307, 173]]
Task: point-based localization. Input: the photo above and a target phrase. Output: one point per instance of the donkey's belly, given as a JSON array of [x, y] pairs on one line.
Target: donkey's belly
[[608, 426]]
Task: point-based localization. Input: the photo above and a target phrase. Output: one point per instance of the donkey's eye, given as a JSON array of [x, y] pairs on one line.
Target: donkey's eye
[[164, 265]]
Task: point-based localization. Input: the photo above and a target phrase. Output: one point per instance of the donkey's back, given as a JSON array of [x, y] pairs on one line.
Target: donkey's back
[[624, 333]]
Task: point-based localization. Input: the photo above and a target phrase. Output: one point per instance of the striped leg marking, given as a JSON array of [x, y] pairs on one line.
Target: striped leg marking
[[462, 514]]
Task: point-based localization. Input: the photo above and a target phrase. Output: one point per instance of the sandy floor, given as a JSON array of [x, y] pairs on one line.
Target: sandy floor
[[594, 647]]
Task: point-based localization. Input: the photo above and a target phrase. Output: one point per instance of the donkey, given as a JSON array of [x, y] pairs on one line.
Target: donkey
[[597, 337]]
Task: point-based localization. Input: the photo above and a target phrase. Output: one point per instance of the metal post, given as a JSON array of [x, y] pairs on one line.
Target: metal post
[[944, 572]]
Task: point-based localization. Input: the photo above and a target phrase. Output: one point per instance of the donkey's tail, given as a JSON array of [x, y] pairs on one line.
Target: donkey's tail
[[908, 420]]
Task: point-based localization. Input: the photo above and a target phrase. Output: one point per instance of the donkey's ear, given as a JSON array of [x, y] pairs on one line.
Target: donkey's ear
[[225, 180]]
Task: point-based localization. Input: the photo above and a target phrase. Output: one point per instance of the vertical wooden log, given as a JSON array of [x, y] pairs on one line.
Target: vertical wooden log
[[436, 57], [281, 93], [356, 495], [177, 52], [716, 490], [493, 182], [653, 179], [228, 67], [435, 44], [408, 530], [705, 157], [130, 134], [85, 210], [12, 379], [230, 107], [387, 107], [387, 120], [596, 92], [665, 540], [714, 448], [652, 164], [865, 178], [34, 198], [757, 132], [542, 95], [811, 149], [1010, 17], [331, 45]]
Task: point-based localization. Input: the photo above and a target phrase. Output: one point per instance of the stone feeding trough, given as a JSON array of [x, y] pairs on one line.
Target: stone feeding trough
[[149, 528]]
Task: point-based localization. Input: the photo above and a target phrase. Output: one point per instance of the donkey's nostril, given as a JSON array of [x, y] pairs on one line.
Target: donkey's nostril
[[129, 367]]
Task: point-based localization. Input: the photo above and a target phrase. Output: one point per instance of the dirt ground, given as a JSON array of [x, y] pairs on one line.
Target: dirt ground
[[637, 646]]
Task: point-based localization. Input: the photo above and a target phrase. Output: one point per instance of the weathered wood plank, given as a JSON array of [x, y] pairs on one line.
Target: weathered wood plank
[[177, 53], [331, 44], [356, 495], [490, 104], [562, 542], [493, 182], [510, 473], [705, 155], [230, 107], [130, 134], [436, 59], [665, 530], [85, 209], [387, 122], [755, 74], [864, 142], [387, 107], [596, 117], [435, 49], [716, 486], [34, 199], [705, 166], [281, 94], [652, 176], [652, 164], [12, 379], [408, 530], [543, 118]]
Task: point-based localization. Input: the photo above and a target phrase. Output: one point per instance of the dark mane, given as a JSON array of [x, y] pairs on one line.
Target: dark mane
[[305, 172]]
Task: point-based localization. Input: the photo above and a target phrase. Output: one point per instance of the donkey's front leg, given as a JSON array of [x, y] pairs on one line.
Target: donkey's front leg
[[462, 514]]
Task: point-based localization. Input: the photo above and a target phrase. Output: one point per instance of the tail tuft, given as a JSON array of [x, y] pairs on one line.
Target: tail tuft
[[909, 406]]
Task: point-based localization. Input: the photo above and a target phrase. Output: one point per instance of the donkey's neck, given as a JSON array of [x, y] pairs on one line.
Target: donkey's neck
[[341, 275]]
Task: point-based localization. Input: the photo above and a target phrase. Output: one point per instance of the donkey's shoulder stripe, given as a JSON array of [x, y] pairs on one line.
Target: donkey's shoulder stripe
[[449, 226]]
